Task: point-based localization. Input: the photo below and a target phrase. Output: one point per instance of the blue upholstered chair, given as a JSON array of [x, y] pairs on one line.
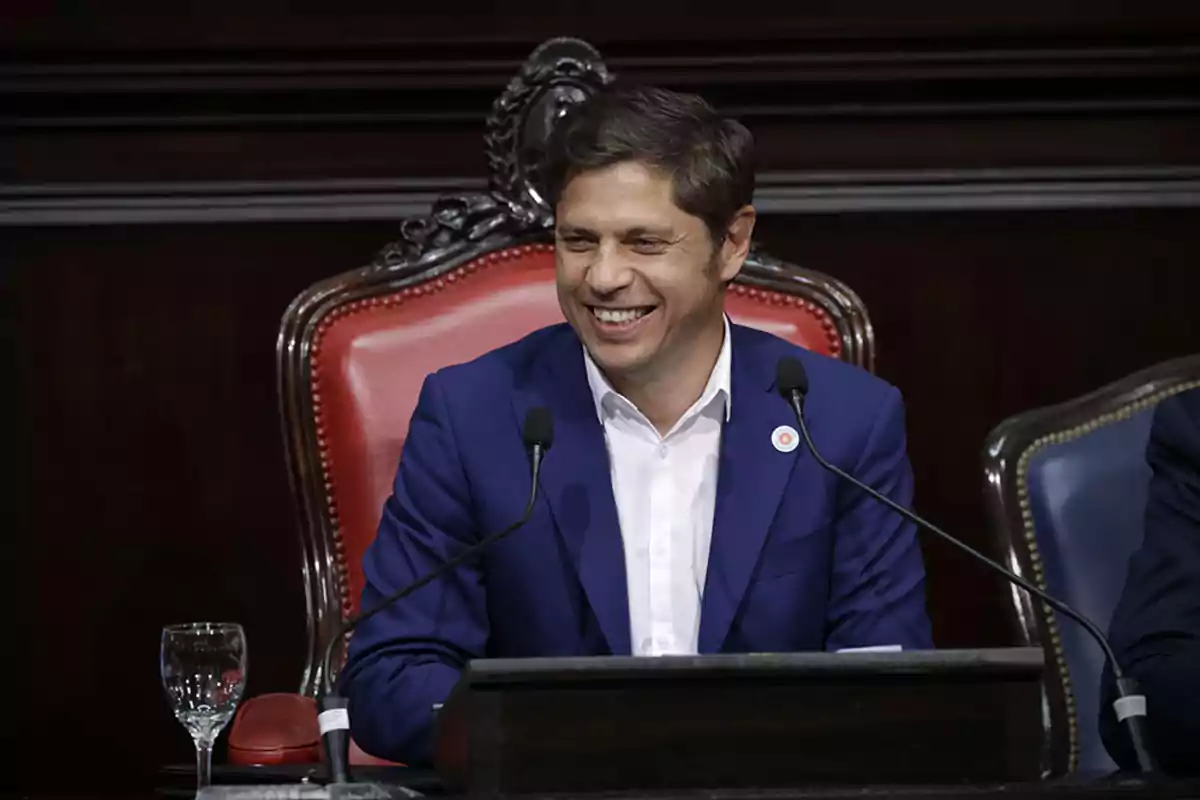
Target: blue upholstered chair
[[1065, 489]]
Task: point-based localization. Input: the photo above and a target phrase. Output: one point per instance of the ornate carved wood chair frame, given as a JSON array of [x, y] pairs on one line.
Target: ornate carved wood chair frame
[[462, 234]]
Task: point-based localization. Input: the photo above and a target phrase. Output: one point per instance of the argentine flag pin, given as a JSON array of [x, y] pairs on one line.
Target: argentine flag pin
[[785, 439]]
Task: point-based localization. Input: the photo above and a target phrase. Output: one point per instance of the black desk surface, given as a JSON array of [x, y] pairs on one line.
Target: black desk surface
[[178, 782]]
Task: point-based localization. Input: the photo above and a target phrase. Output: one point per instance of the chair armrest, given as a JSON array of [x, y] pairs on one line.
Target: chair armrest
[[275, 729]]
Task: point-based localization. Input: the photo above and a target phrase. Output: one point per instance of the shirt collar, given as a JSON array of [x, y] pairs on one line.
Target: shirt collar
[[719, 386]]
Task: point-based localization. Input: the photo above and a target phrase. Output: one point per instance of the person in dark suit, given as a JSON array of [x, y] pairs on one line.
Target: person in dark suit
[[676, 513], [1155, 629]]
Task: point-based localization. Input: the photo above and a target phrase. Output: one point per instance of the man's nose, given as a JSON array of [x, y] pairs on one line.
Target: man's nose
[[609, 272]]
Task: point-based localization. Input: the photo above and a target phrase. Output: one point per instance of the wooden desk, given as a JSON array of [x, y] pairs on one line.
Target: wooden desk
[[179, 781]]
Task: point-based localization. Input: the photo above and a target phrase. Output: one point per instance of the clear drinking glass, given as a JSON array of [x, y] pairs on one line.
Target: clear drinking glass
[[203, 666]]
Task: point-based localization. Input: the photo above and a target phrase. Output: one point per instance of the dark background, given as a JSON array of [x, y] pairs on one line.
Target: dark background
[[1012, 187]]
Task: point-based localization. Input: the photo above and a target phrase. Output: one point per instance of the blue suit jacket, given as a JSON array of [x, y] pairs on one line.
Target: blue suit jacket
[[798, 561], [1155, 629]]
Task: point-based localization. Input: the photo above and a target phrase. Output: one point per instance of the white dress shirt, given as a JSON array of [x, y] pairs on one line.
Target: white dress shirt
[[665, 489]]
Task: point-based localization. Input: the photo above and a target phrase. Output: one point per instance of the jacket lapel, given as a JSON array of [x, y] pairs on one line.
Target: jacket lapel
[[751, 480], [576, 482]]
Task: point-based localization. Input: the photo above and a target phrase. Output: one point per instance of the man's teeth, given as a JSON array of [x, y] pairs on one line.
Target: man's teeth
[[617, 316]]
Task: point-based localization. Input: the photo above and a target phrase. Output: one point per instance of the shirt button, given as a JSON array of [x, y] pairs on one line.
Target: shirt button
[[662, 451]]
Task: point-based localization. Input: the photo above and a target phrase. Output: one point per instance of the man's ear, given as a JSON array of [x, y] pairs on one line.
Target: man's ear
[[736, 246]]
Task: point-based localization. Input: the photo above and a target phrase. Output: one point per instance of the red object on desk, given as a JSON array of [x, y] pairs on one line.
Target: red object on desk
[[282, 729]]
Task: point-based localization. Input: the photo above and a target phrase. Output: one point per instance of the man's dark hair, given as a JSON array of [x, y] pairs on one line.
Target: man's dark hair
[[709, 159]]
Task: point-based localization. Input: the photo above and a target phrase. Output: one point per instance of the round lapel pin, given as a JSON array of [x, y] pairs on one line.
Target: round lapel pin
[[785, 439]]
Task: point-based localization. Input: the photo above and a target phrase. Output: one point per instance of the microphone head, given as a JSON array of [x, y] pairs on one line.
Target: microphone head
[[791, 377], [539, 428]]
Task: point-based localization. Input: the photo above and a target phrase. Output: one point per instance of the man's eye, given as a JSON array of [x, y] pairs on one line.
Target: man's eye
[[575, 243], [649, 245]]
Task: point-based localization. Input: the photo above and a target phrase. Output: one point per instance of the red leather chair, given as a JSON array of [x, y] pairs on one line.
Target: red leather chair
[[478, 272]]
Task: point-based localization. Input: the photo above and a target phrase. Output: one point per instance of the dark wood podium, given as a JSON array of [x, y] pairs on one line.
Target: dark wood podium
[[734, 721]]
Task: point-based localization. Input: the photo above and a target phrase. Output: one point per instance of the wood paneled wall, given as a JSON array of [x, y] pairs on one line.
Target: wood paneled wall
[[1013, 188]]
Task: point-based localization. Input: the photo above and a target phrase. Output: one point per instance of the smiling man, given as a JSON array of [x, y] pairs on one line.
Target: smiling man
[[673, 517]]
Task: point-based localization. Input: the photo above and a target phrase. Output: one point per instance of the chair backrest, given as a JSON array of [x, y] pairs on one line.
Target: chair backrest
[[1066, 489], [475, 274]]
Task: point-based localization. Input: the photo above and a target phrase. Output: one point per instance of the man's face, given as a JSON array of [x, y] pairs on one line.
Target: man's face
[[637, 276]]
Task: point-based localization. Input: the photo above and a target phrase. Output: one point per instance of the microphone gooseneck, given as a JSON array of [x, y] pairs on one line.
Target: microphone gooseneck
[[791, 380], [334, 719]]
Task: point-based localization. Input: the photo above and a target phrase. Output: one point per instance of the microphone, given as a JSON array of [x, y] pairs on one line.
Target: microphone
[[791, 380], [333, 720]]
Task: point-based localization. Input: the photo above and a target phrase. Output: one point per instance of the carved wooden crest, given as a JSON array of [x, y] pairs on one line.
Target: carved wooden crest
[[558, 74]]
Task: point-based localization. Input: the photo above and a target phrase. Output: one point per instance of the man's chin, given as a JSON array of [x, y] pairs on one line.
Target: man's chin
[[619, 360]]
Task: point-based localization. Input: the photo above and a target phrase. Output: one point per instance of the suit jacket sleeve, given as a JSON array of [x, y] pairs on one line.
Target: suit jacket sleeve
[[404, 660], [1155, 630], [877, 594]]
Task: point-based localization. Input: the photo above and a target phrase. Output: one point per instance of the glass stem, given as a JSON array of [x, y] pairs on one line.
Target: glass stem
[[203, 764]]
